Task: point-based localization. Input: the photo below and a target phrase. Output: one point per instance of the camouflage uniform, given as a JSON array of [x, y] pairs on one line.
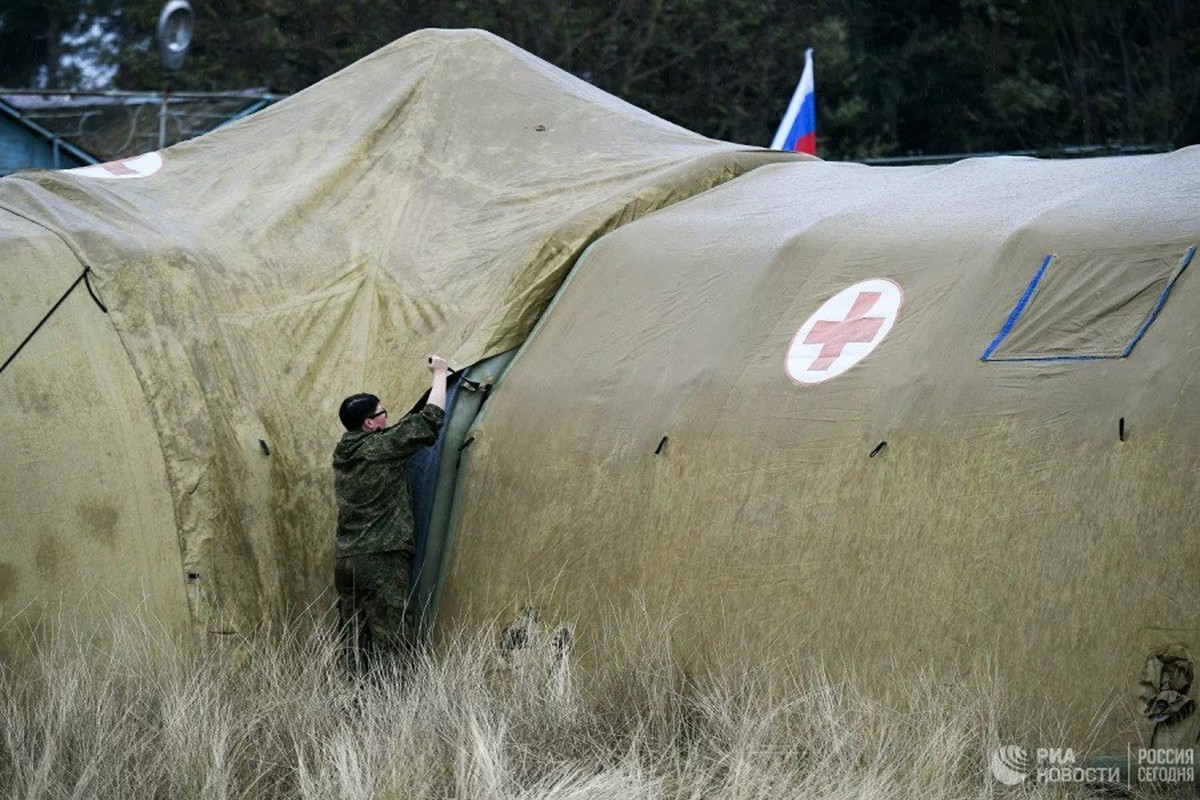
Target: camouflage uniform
[[375, 534]]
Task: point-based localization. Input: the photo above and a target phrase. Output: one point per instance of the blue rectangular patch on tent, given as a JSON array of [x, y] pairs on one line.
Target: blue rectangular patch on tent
[[1089, 304]]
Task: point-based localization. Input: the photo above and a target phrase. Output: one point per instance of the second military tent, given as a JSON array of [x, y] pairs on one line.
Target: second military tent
[[926, 415]]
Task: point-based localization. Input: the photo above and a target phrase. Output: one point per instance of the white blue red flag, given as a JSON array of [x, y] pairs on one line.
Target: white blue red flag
[[798, 131]]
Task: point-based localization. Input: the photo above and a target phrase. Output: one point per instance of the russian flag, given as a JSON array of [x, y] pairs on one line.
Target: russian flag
[[798, 131]]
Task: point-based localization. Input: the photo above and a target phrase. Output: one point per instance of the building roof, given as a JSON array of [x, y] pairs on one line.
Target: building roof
[[109, 125], [24, 144]]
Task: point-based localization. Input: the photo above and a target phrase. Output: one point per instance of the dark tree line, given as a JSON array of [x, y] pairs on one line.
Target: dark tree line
[[892, 76]]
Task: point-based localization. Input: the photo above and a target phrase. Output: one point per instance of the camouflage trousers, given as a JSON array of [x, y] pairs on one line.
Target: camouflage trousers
[[375, 605]]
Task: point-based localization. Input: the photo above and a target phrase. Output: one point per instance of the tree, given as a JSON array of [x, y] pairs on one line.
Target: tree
[[893, 76], [36, 34]]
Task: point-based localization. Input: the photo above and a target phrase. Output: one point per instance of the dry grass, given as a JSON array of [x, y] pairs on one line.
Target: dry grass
[[141, 715]]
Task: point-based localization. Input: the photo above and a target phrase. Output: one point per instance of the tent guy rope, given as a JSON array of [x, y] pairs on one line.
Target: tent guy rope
[[83, 278]]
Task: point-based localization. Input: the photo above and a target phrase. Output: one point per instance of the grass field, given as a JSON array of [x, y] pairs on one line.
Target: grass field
[[140, 714]]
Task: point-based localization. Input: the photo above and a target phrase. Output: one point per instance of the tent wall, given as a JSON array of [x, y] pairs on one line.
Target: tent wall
[[86, 519], [676, 463]]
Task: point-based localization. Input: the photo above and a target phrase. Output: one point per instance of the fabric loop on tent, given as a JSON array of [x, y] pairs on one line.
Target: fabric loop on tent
[[81, 279], [91, 291]]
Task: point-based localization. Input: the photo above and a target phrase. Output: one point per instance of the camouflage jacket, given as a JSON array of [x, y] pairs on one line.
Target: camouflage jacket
[[374, 510]]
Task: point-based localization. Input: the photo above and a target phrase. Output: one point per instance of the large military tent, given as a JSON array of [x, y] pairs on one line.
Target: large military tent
[[885, 415], [167, 431], [912, 415]]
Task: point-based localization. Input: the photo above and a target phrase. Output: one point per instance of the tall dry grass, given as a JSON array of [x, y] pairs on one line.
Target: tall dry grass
[[141, 714]]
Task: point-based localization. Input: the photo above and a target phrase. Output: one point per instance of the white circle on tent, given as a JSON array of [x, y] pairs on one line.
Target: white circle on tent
[[123, 169], [844, 330]]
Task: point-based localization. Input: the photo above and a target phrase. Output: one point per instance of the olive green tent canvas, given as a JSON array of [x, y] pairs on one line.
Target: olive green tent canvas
[[175, 445]]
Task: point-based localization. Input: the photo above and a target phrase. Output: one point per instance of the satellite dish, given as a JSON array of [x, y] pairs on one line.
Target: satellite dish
[[174, 32]]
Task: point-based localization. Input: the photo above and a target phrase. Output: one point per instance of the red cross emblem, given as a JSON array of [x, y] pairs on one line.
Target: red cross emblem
[[118, 167], [856, 327], [124, 168], [844, 330]]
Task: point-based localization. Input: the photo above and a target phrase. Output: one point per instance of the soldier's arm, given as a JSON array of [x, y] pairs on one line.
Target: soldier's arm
[[414, 431], [419, 429]]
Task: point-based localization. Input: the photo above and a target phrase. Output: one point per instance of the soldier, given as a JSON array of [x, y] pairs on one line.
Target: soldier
[[375, 535]]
